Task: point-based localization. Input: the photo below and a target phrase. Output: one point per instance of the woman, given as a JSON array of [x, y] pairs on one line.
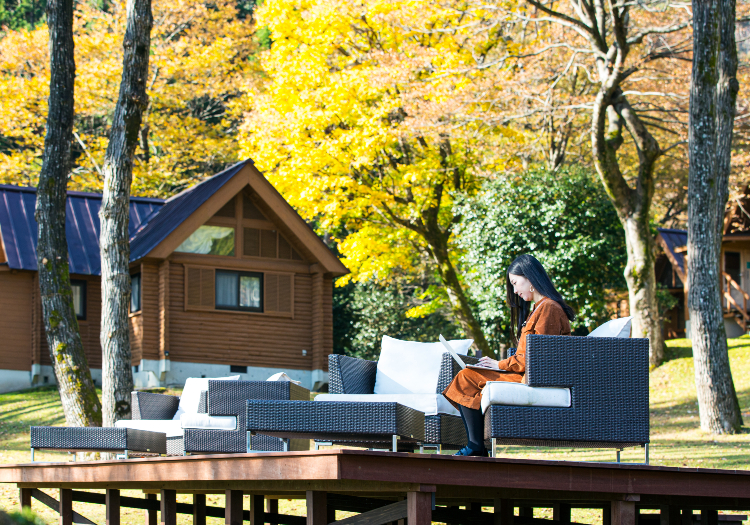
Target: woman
[[550, 316]]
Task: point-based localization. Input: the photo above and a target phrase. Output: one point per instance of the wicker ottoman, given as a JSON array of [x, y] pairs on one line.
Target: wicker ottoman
[[372, 425], [97, 439]]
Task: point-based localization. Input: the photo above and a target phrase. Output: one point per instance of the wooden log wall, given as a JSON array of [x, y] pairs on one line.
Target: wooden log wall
[[15, 320], [238, 338]]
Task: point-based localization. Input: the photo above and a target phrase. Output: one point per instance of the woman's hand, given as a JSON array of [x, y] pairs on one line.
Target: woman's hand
[[488, 362]]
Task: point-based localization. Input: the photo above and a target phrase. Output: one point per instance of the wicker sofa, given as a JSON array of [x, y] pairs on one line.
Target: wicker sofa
[[217, 425], [608, 384]]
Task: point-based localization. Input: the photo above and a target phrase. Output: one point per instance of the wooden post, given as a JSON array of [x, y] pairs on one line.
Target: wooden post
[[24, 498], [317, 514], [709, 517], [687, 517], [256, 509], [561, 513], [607, 515], [623, 513], [503, 511], [199, 509], [526, 512], [233, 509], [272, 507], [419, 508], [112, 500], [168, 514], [669, 515], [152, 516], [66, 506]]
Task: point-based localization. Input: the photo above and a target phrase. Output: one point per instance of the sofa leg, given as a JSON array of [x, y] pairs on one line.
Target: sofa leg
[[618, 454], [493, 446], [646, 452], [395, 443], [32, 454]]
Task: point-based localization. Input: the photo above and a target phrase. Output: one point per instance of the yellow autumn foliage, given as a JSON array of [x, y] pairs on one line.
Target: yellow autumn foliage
[[371, 119], [202, 59]]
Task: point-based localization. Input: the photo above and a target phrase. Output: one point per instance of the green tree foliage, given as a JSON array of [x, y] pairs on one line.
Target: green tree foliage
[[364, 312], [21, 14], [565, 220]]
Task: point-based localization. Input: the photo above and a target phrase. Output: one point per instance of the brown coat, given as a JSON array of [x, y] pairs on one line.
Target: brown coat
[[547, 318]]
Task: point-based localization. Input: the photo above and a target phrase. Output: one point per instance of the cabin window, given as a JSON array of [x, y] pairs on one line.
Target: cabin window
[[239, 291], [135, 293], [210, 240], [79, 298]]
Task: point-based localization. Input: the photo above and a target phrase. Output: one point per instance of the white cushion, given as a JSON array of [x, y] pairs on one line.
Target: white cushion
[[170, 427], [205, 421], [430, 404], [614, 328], [191, 394], [408, 367], [518, 394]]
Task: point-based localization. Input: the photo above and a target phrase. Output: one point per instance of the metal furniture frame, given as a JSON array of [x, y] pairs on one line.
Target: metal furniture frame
[[98, 439], [608, 381]]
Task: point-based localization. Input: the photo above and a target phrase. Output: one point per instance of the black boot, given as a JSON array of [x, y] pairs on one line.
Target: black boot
[[474, 424]]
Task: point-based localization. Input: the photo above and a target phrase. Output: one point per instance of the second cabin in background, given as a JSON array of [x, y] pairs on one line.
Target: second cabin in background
[[227, 278]]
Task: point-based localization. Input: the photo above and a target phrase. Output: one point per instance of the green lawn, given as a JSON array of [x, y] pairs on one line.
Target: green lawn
[[676, 439]]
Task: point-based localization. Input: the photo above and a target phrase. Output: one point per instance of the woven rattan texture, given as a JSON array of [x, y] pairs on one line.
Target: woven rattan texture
[[342, 418], [98, 438], [608, 379], [203, 403], [566, 444], [145, 405], [175, 446], [228, 398], [349, 375], [446, 430]]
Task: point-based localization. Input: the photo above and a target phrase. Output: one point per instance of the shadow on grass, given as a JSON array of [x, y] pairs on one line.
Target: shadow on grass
[[674, 417]]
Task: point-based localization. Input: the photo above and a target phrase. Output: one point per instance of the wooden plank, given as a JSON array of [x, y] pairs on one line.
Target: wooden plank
[[317, 513], [66, 507], [199, 509], [168, 512], [503, 511], [709, 517], [16, 321], [151, 514], [385, 514], [419, 508], [233, 508], [272, 507], [163, 309], [669, 515], [113, 507], [623, 513], [561, 513]]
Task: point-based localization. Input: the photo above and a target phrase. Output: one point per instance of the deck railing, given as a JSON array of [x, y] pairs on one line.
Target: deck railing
[[730, 283]]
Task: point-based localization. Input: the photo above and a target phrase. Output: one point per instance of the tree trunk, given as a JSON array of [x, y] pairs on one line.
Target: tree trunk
[[459, 302], [114, 215], [80, 402], [713, 96]]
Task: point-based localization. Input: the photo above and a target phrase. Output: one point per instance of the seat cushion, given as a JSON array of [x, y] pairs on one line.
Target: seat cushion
[[170, 427], [614, 328], [429, 404], [518, 394], [191, 394], [204, 421], [408, 367]]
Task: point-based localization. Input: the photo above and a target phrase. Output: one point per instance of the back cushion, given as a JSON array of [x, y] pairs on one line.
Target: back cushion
[[408, 367], [614, 328], [191, 394]]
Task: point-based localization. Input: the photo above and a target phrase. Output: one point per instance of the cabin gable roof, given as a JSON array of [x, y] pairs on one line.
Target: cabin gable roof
[[157, 227], [674, 242]]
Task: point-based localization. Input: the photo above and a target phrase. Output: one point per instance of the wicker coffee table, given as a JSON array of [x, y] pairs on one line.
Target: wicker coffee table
[[366, 424], [98, 439]]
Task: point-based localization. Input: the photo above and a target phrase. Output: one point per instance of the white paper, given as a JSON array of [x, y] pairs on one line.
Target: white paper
[[452, 352]]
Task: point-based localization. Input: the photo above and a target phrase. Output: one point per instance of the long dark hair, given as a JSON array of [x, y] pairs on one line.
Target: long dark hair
[[527, 266]]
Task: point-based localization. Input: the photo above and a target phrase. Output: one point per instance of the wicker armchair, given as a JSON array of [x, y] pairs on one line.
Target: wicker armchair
[[609, 392], [223, 398]]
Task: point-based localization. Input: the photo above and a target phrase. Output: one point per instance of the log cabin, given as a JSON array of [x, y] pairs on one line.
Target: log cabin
[[227, 279]]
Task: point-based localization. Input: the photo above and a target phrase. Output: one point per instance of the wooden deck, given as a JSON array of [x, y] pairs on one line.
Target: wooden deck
[[387, 487]]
